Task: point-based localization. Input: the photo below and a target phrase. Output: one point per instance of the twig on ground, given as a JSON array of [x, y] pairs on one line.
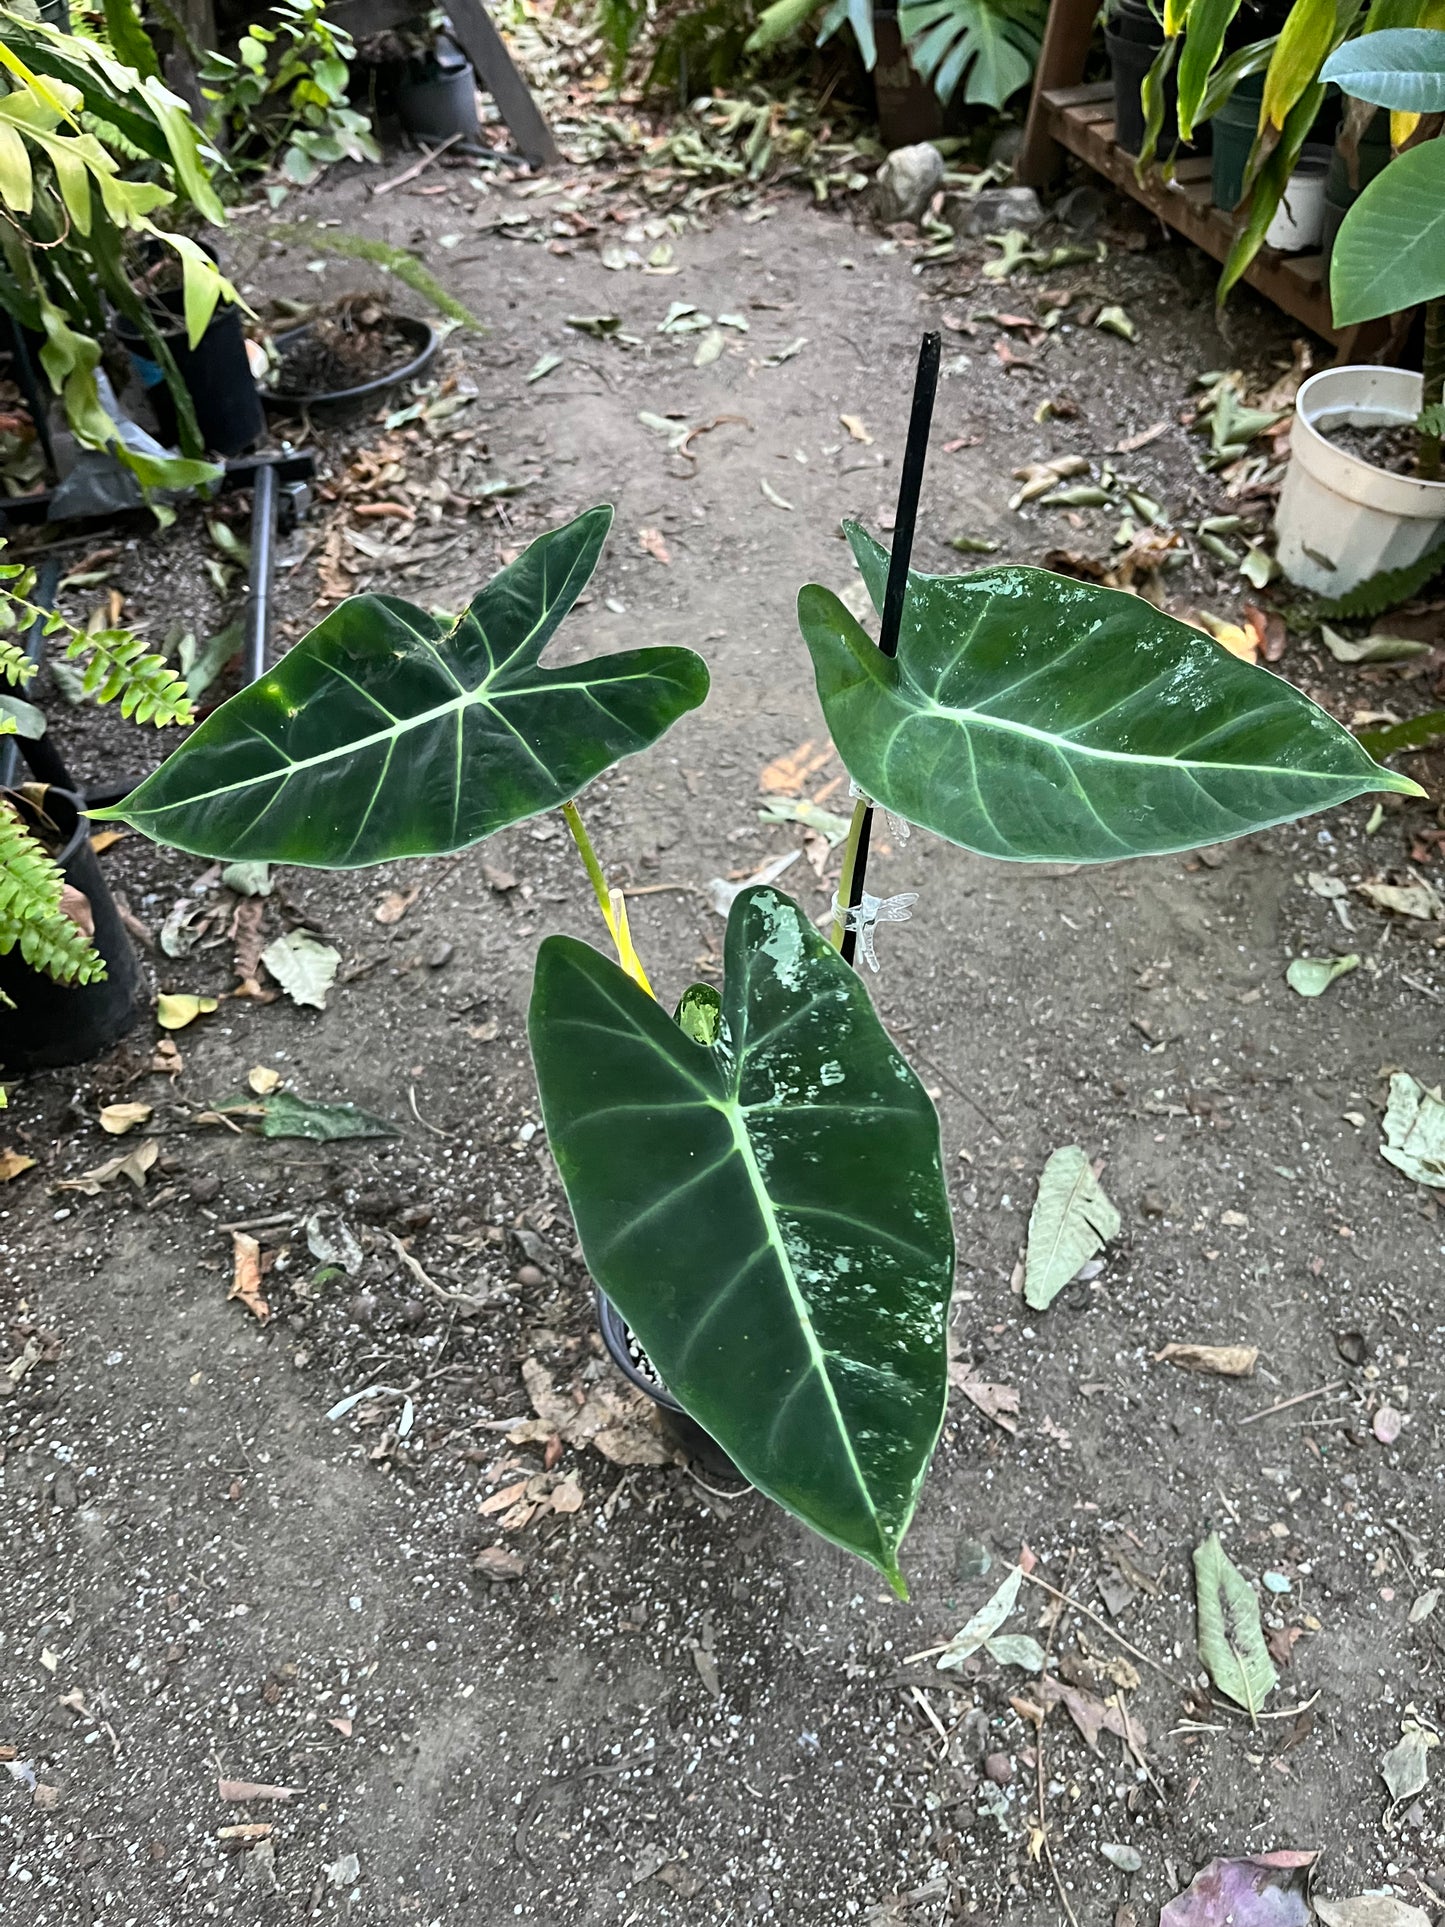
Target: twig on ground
[[417, 167], [1039, 1779], [461, 1299], [1284, 1404], [1102, 1624]]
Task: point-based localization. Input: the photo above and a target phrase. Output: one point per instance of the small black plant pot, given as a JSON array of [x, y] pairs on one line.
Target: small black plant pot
[[216, 372], [423, 341], [437, 97], [636, 1367], [53, 1023]]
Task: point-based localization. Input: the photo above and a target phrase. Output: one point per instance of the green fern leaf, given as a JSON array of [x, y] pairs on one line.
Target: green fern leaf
[[30, 913], [117, 666]]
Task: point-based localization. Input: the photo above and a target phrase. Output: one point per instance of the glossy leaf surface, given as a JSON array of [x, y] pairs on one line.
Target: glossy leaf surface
[[387, 733], [767, 1212], [1034, 717], [1390, 250], [1402, 68]]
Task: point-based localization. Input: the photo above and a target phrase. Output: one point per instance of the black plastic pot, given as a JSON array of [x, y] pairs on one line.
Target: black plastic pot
[[216, 372], [635, 1366], [1133, 37], [421, 334], [437, 99], [55, 1023]]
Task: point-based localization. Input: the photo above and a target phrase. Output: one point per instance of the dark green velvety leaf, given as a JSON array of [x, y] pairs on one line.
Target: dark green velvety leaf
[[386, 733], [1031, 716], [767, 1212]]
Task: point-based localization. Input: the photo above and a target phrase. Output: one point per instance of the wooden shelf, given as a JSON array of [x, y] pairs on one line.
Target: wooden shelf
[[1081, 119]]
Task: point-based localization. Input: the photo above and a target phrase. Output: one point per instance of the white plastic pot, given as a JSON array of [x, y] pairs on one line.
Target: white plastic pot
[[1298, 222], [1341, 520]]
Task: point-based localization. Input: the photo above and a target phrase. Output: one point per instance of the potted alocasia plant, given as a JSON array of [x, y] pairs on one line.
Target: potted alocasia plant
[[755, 1174], [1363, 493]]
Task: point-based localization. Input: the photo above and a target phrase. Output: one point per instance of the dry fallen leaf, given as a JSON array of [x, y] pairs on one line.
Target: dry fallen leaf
[[174, 1012], [651, 540], [12, 1163], [613, 1419], [786, 775], [117, 1119], [263, 1080], [252, 1790], [1091, 1716], [998, 1402], [133, 1165], [246, 1280], [1224, 1361], [497, 1563], [392, 907], [166, 1058], [855, 428], [567, 1495]]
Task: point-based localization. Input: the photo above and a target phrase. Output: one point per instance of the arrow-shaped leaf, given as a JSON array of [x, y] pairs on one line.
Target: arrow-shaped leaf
[[1027, 715], [760, 1193], [1231, 1639], [386, 733]]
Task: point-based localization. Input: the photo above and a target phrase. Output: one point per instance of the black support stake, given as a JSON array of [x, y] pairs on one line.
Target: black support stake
[[258, 601], [910, 487]]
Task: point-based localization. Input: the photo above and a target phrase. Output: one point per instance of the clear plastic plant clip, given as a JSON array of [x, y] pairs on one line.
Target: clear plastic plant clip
[[864, 916], [899, 826]]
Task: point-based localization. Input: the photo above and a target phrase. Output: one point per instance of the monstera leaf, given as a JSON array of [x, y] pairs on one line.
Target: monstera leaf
[[1030, 716], [387, 733], [757, 1187]]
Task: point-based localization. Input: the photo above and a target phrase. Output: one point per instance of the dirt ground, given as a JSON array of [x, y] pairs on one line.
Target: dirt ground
[[680, 1706]]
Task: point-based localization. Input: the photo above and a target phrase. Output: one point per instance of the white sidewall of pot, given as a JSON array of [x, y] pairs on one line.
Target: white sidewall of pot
[[1341, 520]]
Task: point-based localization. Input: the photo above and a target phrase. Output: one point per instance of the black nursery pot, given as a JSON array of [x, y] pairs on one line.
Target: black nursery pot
[[1133, 37], [636, 1367], [217, 375], [344, 403], [55, 1023]]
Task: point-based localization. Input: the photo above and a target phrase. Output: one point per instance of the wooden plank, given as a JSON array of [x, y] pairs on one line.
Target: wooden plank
[[1081, 96], [1067, 34], [477, 36]]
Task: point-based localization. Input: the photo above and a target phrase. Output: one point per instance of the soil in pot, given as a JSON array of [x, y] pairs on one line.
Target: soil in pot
[[355, 344], [1392, 446]]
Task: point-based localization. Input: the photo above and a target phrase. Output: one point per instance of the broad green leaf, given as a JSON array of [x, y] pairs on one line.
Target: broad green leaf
[[17, 185], [1312, 976], [768, 1213], [387, 733], [1208, 22], [988, 44], [1390, 251], [1231, 1639], [129, 38], [1305, 40], [1070, 1221], [1034, 717], [1402, 68]]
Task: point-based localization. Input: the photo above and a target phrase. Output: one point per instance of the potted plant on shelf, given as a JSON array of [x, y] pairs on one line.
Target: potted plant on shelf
[[81, 207], [1363, 493], [755, 1174]]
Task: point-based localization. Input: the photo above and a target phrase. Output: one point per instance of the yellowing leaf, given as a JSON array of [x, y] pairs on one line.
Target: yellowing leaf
[[176, 1010], [117, 1119], [1305, 40]]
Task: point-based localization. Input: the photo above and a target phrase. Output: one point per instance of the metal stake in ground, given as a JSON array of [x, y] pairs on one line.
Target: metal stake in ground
[[925, 387]]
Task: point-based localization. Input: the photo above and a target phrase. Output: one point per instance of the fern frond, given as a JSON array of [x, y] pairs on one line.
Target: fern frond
[[117, 665], [30, 913], [15, 665]]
